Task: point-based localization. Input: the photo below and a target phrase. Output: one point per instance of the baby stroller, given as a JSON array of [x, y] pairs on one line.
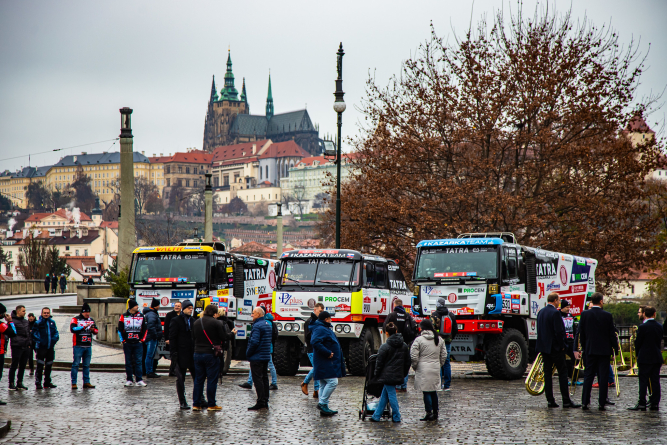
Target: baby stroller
[[373, 389]]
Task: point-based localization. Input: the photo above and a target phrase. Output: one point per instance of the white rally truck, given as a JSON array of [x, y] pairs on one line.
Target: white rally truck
[[203, 273], [358, 290], [496, 288]]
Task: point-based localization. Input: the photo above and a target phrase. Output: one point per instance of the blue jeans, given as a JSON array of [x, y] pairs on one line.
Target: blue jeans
[[446, 370], [389, 392], [207, 367], [151, 346], [272, 370], [405, 383], [85, 353], [611, 375], [309, 377], [327, 387], [133, 353], [431, 401]]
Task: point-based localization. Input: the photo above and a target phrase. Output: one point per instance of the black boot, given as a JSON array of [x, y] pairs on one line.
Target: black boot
[[435, 414], [38, 375], [47, 376], [428, 417]]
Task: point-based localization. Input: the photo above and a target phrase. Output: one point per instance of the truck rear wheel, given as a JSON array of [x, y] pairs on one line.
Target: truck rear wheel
[[359, 352], [226, 361], [286, 354], [506, 354]]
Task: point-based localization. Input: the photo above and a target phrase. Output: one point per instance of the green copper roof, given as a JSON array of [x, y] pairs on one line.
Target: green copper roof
[[214, 93], [229, 92], [269, 101], [244, 97]]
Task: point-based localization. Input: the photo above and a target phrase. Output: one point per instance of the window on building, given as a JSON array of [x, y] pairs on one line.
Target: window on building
[[168, 182], [180, 169], [76, 252], [187, 183], [216, 181], [260, 173], [225, 180], [85, 252], [187, 170], [236, 177], [66, 247], [168, 169], [194, 183], [180, 183]]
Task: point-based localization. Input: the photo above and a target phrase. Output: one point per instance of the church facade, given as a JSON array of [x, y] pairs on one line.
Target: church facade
[[229, 122]]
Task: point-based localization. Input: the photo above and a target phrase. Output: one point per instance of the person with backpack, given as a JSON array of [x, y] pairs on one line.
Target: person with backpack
[[428, 354], [272, 368], [445, 324], [391, 367], [406, 327]]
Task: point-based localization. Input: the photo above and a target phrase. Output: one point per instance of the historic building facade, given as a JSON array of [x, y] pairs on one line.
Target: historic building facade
[[229, 122]]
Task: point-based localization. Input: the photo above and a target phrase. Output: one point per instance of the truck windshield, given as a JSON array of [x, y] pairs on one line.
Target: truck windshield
[[322, 271], [169, 268], [457, 262]]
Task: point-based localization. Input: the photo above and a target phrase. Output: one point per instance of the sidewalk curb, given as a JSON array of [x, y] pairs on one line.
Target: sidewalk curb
[[27, 297]]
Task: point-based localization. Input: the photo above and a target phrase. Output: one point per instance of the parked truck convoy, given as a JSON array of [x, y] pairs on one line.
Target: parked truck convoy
[[496, 288]]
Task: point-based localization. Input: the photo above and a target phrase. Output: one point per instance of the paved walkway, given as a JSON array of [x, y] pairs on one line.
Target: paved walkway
[[476, 411]]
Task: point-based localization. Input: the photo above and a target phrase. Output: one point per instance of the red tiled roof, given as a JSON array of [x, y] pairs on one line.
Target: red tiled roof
[[638, 124], [192, 157], [284, 149], [37, 217], [240, 161], [253, 247], [229, 152], [308, 162], [78, 263], [109, 224]]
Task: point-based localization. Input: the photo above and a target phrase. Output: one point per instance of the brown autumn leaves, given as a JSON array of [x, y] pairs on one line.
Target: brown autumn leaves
[[516, 127]]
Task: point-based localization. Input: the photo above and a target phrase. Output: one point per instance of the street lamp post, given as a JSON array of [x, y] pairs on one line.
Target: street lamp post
[[339, 107]]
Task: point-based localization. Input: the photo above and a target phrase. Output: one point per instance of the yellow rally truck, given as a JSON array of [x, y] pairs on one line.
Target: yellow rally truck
[[358, 290]]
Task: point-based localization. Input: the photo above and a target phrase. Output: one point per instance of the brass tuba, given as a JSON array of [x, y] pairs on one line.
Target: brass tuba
[[619, 366], [535, 379], [634, 370]]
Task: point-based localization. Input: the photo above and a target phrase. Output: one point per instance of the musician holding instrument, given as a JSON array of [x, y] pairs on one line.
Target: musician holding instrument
[[551, 344], [649, 360], [568, 322], [599, 341]]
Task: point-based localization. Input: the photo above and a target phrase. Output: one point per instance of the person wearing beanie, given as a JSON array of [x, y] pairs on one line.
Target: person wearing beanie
[[327, 360], [167, 322], [45, 336], [568, 321], [258, 354], [132, 333], [82, 328], [20, 348], [153, 336], [182, 350], [445, 325], [54, 283], [7, 331], [47, 283], [406, 326]]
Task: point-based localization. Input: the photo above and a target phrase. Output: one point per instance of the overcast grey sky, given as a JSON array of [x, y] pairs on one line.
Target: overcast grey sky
[[67, 66]]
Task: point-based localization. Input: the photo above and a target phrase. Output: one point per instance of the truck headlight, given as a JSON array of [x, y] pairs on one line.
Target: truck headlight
[[279, 326], [295, 327], [347, 329], [339, 328], [288, 327]]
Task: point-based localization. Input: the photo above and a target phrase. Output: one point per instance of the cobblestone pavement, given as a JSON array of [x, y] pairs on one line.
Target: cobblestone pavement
[[476, 411]]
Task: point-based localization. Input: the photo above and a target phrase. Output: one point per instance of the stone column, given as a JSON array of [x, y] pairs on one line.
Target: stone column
[[208, 210], [127, 236]]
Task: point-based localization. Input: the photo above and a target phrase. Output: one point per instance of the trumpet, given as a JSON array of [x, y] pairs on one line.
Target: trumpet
[[578, 366], [535, 379]]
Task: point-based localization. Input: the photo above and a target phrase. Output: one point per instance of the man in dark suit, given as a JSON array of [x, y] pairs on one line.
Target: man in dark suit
[[649, 359], [551, 344], [598, 340]]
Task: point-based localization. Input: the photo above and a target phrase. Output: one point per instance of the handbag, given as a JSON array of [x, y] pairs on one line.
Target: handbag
[[217, 349]]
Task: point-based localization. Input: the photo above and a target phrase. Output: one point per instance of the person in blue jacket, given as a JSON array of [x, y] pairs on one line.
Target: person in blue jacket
[[328, 360], [258, 354], [272, 368], [45, 336]]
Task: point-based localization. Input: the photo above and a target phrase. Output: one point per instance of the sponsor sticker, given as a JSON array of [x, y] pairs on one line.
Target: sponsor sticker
[[164, 301], [563, 275], [452, 298], [247, 302], [229, 269], [465, 311], [182, 294], [223, 292]]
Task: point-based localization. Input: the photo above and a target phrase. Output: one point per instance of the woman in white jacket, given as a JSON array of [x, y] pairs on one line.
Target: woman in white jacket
[[428, 355]]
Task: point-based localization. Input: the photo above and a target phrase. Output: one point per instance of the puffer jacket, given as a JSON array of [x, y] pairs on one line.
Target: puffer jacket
[[259, 343], [393, 361], [45, 333], [153, 325], [427, 359], [324, 342], [22, 338]]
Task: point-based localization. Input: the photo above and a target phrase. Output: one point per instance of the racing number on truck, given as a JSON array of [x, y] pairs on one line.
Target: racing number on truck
[[507, 304]]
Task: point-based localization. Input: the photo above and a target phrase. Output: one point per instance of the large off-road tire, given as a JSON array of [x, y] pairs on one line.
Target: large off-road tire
[[359, 351], [506, 354], [226, 361], [286, 354]]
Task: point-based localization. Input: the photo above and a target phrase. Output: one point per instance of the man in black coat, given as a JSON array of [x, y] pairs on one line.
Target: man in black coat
[[153, 336], [182, 349], [167, 320], [649, 359], [47, 283], [319, 307], [598, 341], [54, 283], [551, 344], [406, 327], [391, 367]]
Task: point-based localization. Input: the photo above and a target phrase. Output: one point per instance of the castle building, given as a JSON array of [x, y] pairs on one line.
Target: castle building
[[229, 122]]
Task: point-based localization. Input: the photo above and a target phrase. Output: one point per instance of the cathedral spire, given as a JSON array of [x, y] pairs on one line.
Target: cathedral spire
[[244, 98], [269, 101], [229, 92], [214, 93]]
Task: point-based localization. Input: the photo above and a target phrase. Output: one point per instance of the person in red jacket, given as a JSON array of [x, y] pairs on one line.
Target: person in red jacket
[[82, 328], [132, 333], [7, 331]]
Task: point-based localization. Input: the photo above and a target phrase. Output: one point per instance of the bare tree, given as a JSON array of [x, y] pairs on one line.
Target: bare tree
[[163, 231]]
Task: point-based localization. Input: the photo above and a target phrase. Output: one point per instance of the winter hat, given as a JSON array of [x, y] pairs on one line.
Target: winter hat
[[185, 304], [155, 303], [85, 308], [132, 303], [324, 315], [564, 304], [3, 309], [441, 303]]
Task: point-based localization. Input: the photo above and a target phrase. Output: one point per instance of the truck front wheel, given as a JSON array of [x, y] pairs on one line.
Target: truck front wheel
[[359, 352], [286, 355], [506, 354]]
